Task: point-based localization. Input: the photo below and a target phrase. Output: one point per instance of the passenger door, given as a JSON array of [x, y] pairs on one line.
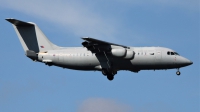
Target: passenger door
[[158, 58], [158, 55]]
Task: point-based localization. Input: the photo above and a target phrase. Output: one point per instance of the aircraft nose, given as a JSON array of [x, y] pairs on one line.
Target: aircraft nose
[[187, 62], [190, 62], [182, 61]]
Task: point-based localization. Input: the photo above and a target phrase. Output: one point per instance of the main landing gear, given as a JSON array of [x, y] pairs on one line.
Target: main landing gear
[[109, 74], [110, 77], [178, 72]]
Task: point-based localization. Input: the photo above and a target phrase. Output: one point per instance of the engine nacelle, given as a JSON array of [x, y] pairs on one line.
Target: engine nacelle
[[129, 54], [121, 52]]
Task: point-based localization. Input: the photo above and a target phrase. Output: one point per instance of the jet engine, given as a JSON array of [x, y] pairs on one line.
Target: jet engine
[[129, 54], [123, 53], [119, 52]]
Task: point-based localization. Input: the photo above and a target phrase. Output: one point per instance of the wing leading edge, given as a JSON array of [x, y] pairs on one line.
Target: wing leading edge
[[93, 41]]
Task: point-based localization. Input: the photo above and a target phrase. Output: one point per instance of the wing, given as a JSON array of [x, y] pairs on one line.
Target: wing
[[106, 50], [96, 45]]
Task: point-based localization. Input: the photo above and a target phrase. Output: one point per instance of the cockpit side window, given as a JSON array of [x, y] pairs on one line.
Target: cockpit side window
[[172, 53], [168, 53]]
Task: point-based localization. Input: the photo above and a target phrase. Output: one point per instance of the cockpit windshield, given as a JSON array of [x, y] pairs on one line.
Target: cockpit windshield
[[176, 53]]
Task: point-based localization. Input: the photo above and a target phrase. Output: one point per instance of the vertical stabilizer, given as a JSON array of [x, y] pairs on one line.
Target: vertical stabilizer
[[31, 37]]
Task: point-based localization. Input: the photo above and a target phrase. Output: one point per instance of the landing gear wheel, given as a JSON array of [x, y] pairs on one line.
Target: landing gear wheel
[[104, 72], [110, 77], [178, 73]]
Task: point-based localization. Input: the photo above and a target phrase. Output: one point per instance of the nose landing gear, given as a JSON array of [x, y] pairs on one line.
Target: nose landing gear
[[178, 72]]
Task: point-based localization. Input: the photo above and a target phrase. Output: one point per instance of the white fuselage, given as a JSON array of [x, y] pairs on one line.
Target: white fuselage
[[145, 58]]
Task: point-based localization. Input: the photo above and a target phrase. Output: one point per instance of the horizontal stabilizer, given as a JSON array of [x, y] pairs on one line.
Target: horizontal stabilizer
[[18, 22]]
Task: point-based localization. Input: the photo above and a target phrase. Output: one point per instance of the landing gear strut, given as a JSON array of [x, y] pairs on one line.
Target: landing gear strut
[[178, 72]]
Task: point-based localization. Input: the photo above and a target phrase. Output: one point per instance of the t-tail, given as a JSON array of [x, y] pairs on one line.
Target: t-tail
[[32, 38]]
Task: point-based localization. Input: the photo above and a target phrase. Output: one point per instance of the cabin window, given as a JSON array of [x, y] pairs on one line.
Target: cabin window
[[151, 53]]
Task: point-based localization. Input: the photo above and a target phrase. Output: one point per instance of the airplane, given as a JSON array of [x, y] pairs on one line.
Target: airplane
[[95, 55]]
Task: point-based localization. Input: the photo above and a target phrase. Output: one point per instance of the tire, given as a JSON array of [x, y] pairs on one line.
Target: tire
[[104, 72], [110, 77], [178, 73]]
